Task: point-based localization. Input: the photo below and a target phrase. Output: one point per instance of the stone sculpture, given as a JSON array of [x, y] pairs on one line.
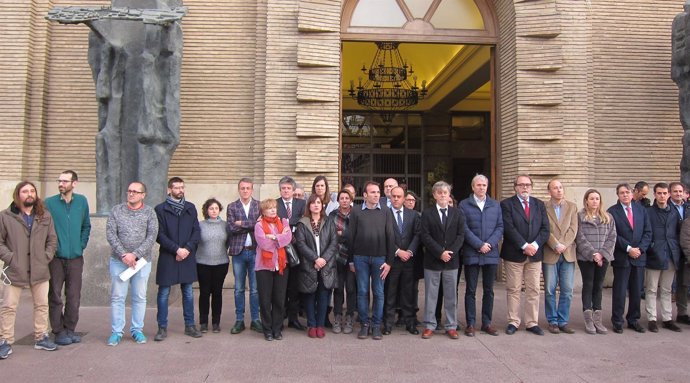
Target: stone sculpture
[[135, 54], [680, 73]]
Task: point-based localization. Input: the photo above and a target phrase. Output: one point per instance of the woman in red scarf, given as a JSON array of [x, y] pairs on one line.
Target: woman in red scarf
[[272, 235]]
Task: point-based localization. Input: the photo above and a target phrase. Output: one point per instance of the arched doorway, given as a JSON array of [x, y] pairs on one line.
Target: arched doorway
[[451, 133]]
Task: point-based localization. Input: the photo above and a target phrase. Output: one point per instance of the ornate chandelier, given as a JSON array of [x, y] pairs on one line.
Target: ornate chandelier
[[387, 89]]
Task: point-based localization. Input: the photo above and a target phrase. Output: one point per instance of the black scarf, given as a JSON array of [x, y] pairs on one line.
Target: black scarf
[[175, 205]]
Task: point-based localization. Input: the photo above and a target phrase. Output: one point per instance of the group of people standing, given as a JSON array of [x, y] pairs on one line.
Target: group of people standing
[[300, 255]]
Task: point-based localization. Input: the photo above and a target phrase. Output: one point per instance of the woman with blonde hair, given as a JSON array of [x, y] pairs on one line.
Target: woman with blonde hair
[[272, 235], [596, 239]]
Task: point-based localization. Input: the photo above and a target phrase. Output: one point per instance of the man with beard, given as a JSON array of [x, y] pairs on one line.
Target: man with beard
[[70, 213], [27, 245], [178, 235]]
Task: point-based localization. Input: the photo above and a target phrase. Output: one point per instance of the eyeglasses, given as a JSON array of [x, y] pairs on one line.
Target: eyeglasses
[[523, 185], [134, 192], [410, 200], [63, 181]]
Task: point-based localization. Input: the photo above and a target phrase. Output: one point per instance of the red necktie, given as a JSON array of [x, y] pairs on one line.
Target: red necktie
[[628, 212], [524, 202]]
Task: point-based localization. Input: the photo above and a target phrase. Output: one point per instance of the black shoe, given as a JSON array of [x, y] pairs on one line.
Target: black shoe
[[216, 328], [256, 326], [192, 331], [296, 325], [684, 319], [618, 329], [363, 332], [637, 327], [161, 334], [203, 328], [536, 330], [652, 326], [412, 329], [510, 330], [376, 333], [268, 336], [387, 330], [237, 328], [669, 325], [278, 336]]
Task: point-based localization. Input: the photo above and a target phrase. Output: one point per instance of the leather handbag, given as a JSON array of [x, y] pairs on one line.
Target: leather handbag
[[292, 257]]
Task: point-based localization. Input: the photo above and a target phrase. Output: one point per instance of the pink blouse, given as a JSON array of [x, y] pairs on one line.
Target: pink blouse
[[263, 243]]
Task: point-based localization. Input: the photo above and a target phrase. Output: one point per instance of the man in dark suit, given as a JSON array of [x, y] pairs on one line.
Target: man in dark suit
[[634, 235], [682, 275], [241, 219], [388, 185], [525, 232], [443, 233], [400, 281], [291, 209]]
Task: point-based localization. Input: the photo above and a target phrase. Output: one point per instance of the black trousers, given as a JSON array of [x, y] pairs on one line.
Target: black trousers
[[471, 280], [592, 284], [400, 291], [293, 295], [67, 273], [626, 279], [347, 293], [272, 287], [211, 280]]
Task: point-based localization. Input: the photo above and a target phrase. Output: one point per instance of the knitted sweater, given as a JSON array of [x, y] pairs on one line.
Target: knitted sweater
[[131, 231], [212, 250]]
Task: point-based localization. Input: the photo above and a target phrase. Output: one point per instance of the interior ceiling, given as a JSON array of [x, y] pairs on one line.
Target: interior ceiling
[[454, 73]]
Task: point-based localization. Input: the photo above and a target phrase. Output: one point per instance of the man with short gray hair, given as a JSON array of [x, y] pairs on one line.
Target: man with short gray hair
[[443, 233]]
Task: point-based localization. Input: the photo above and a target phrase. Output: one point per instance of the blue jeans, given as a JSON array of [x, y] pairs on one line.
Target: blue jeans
[[368, 269], [243, 267], [316, 305], [187, 304], [118, 296], [561, 273]]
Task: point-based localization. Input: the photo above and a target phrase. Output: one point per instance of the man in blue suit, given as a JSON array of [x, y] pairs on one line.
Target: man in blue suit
[[291, 209], [400, 281], [525, 232], [629, 257]]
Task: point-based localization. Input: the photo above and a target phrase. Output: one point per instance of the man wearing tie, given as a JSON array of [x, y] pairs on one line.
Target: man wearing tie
[[400, 281], [525, 232], [629, 257], [443, 233], [291, 209]]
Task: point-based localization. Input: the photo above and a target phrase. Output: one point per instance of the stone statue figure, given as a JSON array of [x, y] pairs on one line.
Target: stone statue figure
[[135, 54], [680, 73]]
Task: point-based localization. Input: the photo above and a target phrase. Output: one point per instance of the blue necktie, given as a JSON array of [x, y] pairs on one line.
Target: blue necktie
[[400, 223]]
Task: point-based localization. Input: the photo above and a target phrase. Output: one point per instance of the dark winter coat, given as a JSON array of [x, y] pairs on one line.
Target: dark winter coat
[[175, 232], [665, 245], [305, 245], [481, 226]]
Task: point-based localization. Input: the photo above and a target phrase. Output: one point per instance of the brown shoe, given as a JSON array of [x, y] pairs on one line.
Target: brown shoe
[[469, 331], [490, 330], [427, 333], [452, 334], [553, 328], [566, 329]]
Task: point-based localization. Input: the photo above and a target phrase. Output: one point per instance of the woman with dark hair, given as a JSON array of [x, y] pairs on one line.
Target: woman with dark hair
[[272, 234], [317, 245], [321, 189], [212, 264], [345, 289], [595, 240]]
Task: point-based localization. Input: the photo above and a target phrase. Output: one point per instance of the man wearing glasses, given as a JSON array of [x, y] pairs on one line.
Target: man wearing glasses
[[70, 213], [131, 231], [525, 231]]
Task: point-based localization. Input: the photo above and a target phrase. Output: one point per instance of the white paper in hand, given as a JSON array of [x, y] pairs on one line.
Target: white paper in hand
[[125, 275]]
